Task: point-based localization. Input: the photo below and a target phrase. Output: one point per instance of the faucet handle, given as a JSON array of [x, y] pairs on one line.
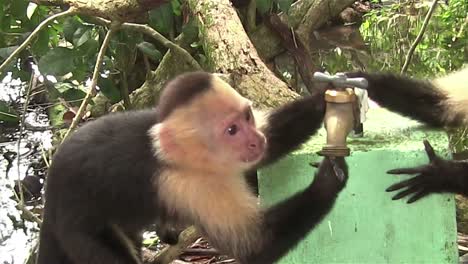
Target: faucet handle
[[341, 80]]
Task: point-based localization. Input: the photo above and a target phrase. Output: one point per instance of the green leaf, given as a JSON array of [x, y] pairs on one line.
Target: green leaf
[[176, 7], [18, 8], [2, 11], [56, 114], [81, 35], [81, 72], [151, 241], [264, 6], [63, 87], [84, 38], [125, 50], [58, 61], [74, 96], [5, 52], [162, 18], [7, 114], [284, 5], [41, 45], [190, 29], [70, 25], [108, 88], [89, 48], [149, 50], [22, 75], [30, 10]]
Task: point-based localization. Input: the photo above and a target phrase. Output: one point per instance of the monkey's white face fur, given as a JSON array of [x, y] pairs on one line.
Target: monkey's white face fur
[[455, 86], [221, 140], [222, 129]]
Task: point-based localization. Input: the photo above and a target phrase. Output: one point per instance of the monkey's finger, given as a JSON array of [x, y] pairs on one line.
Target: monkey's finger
[[418, 196], [355, 74], [314, 164], [410, 190], [429, 150], [405, 183], [414, 170]]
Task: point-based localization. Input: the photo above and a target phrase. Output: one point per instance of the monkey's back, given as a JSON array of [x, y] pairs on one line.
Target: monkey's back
[[104, 172]]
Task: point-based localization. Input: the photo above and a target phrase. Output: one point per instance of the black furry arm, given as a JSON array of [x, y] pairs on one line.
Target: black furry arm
[[438, 176], [418, 99], [288, 222], [291, 125]]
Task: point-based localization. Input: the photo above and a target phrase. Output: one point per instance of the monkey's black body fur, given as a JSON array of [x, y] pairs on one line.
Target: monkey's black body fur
[[100, 175], [426, 101], [418, 99], [103, 175]]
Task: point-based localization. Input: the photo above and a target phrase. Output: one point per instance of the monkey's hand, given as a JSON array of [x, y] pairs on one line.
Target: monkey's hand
[[332, 172], [439, 175]]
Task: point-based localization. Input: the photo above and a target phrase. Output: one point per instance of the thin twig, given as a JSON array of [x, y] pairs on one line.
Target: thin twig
[[29, 214], [419, 37], [33, 34], [32, 83], [168, 254], [124, 90], [225, 261], [147, 30], [92, 88], [32, 253], [201, 251], [251, 16], [44, 157]]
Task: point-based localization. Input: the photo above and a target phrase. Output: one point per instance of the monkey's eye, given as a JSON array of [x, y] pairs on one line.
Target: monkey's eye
[[232, 130]]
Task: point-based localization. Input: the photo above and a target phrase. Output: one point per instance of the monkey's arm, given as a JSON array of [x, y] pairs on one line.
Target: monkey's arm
[[438, 176], [288, 222], [418, 99], [291, 125]]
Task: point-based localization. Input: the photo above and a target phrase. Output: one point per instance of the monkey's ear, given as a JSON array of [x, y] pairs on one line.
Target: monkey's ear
[[163, 140]]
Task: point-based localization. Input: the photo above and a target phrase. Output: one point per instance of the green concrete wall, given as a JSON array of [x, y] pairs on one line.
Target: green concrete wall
[[366, 226]]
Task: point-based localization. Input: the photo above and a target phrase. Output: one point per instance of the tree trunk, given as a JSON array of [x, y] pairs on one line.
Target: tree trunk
[[305, 16], [114, 10], [230, 51], [172, 64]]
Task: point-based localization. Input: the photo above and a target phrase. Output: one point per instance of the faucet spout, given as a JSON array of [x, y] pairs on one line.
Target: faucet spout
[[340, 119]]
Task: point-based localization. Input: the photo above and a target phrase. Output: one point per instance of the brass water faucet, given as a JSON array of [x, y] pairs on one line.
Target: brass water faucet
[[342, 113]]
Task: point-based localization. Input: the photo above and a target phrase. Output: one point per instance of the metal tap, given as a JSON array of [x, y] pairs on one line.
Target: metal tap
[[342, 111]]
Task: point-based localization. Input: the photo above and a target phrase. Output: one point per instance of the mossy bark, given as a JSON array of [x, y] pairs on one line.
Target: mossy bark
[[172, 64], [114, 10], [305, 17], [230, 51]]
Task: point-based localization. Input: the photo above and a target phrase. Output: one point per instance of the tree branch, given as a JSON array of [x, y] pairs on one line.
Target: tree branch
[[229, 50], [304, 16], [92, 88], [124, 91], [296, 47], [171, 65], [32, 83], [147, 30], [33, 34], [168, 254], [419, 37]]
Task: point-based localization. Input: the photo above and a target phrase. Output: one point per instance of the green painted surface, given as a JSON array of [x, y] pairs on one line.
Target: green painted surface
[[366, 226]]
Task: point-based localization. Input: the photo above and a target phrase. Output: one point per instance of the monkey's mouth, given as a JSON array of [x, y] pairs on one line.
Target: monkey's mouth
[[252, 157]]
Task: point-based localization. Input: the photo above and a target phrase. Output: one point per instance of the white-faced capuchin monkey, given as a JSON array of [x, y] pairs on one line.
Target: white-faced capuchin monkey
[[183, 161], [441, 102]]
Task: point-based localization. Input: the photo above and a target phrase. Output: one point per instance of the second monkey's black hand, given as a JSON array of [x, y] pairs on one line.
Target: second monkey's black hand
[[433, 177]]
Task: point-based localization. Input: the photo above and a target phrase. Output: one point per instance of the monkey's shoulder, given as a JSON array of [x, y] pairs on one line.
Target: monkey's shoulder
[[112, 141]]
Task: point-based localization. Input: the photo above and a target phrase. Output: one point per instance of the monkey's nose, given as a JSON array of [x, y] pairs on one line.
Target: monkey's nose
[[259, 144]]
